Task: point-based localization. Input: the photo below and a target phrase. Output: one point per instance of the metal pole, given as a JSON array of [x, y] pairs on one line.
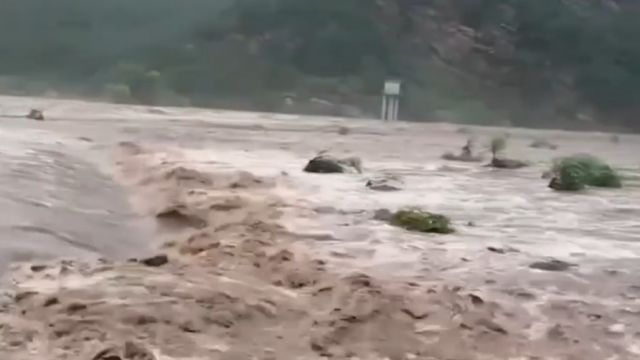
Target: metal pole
[[383, 116], [396, 107]]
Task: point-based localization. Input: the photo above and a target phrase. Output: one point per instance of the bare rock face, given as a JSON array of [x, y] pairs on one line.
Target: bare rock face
[[35, 114]]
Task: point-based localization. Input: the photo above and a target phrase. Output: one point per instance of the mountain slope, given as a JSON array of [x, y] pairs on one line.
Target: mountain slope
[[570, 63]]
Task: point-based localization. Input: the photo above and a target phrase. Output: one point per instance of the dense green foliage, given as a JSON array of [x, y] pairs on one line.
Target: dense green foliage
[[538, 63], [421, 221], [574, 173]]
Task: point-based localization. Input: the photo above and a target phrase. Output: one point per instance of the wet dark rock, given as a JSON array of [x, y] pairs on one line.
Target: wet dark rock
[[476, 300], [594, 317], [460, 157], [75, 307], [325, 164], [383, 215], [135, 351], [155, 261], [179, 217], [504, 250], [111, 353], [496, 250], [552, 265], [507, 163], [130, 351], [21, 296], [38, 268], [385, 183], [50, 301], [492, 325], [35, 114]]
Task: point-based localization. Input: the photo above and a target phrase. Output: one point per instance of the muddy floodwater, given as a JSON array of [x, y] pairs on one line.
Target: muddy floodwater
[[61, 199]]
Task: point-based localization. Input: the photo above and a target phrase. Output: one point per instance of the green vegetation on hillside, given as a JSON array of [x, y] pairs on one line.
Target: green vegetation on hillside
[[572, 63]]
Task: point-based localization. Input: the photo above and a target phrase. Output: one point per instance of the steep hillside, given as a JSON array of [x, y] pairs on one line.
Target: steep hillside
[[569, 63]]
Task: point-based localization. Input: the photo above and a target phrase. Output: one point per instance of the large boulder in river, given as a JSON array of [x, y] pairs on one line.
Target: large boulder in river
[[325, 164]]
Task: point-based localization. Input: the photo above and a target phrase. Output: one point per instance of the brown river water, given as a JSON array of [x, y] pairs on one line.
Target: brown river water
[[59, 200]]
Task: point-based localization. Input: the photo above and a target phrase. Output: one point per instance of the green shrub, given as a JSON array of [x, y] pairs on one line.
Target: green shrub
[[422, 221], [575, 172]]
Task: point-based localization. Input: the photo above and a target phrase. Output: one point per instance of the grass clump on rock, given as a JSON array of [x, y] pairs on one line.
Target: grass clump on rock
[[422, 221], [576, 172]]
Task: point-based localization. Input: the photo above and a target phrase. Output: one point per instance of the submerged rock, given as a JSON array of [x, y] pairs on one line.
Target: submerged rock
[[385, 183], [129, 351], [344, 130], [466, 154], [422, 221], [383, 215], [552, 265], [35, 114], [325, 164], [461, 157], [155, 261], [507, 163]]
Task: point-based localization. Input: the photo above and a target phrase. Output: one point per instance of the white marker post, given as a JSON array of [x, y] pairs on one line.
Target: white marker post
[[391, 100]]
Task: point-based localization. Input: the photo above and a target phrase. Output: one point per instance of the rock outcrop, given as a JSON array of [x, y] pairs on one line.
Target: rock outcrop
[[326, 164]]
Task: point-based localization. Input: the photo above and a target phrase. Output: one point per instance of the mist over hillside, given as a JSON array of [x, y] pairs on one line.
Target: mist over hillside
[[546, 63]]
